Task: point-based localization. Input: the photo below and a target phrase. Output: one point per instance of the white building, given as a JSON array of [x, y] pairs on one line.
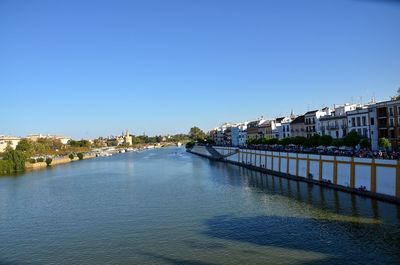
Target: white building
[[35, 137], [363, 120], [359, 121], [312, 123], [282, 129], [335, 124], [239, 134], [220, 134], [8, 141]]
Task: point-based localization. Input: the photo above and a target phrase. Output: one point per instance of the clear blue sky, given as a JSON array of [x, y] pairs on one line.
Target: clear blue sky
[[91, 68]]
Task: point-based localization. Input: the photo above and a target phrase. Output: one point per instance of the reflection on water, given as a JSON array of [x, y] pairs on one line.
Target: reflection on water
[[169, 207]]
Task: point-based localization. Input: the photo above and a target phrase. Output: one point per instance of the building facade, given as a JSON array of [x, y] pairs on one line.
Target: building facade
[[312, 122], [239, 134], [8, 141], [387, 116], [298, 127]]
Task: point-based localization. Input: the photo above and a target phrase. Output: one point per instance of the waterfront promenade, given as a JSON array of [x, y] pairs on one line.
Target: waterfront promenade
[[379, 178]]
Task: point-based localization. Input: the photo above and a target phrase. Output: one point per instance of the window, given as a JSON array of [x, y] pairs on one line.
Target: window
[[372, 121], [390, 111], [365, 132], [391, 122], [359, 131], [353, 120], [358, 121], [364, 121]]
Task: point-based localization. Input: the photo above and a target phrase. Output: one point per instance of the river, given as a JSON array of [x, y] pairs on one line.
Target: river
[[170, 207]]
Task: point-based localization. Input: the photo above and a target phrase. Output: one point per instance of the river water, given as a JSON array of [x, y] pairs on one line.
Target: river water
[[170, 207]]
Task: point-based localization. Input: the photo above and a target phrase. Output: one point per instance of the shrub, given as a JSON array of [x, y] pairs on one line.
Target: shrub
[[80, 156], [6, 167], [365, 143], [17, 159], [71, 156], [190, 145], [40, 160], [48, 161], [384, 143], [32, 161]]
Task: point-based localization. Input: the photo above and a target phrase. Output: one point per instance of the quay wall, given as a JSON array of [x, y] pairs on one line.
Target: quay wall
[[380, 177], [57, 161]]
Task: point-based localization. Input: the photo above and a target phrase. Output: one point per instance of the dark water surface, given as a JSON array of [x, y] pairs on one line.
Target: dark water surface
[[169, 207]]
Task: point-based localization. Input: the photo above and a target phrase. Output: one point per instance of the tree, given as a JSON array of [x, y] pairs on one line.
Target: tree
[[48, 161], [298, 140], [251, 141], [27, 146], [6, 167], [17, 159], [80, 156], [71, 156], [338, 142], [365, 143], [352, 139], [285, 141], [313, 141], [325, 140], [384, 143], [196, 134]]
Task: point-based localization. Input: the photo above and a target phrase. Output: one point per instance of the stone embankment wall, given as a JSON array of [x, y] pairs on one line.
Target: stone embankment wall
[[377, 177], [56, 161]]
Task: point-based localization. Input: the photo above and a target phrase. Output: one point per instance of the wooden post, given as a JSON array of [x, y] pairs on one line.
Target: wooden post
[[308, 167], [279, 162], [297, 165], [335, 170], [373, 175], [287, 163], [272, 161], [321, 166], [398, 179], [352, 173]]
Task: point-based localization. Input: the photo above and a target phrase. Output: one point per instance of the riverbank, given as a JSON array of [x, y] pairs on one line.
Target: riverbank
[[372, 178], [55, 162]]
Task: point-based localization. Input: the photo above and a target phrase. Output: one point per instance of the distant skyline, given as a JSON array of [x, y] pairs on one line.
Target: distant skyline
[[85, 69]]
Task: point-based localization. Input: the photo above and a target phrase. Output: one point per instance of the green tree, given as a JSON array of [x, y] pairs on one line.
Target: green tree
[[196, 134], [6, 167], [80, 156], [286, 141], [71, 156], [325, 140], [48, 161], [251, 141], [365, 143], [313, 141], [27, 146], [298, 140], [352, 139], [17, 159], [384, 143], [338, 142]]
